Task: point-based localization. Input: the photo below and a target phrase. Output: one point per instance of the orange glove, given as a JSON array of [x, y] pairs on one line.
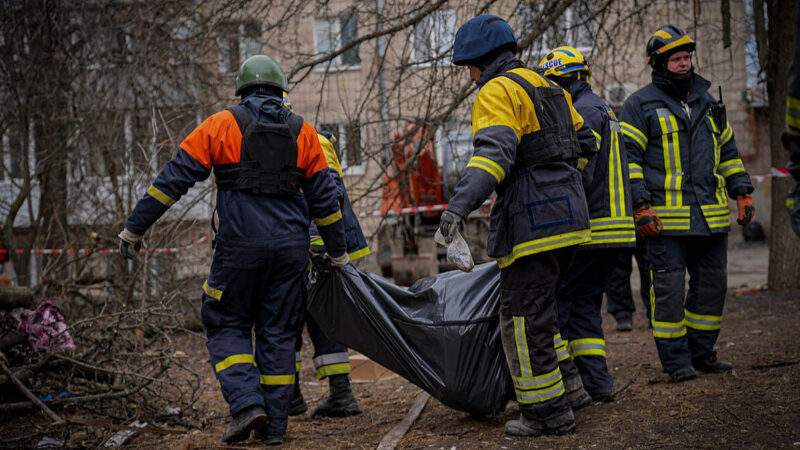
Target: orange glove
[[647, 222], [747, 212]]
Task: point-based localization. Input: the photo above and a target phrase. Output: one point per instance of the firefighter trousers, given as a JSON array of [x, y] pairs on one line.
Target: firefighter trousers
[[618, 283], [330, 357], [255, 290], [686, 327], [527, 328], [580, 301]]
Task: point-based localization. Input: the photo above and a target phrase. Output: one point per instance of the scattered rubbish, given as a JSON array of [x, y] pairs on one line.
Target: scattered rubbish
[[365, 370], [173, 411], [46, 328], [50, 442], [60, 395], [458, 252], [119, 438]]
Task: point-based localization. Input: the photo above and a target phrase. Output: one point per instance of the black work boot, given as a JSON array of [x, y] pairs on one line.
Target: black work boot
[[683, 374], [624, 322], [712, 365], [273, 432], [243, 422], [298, 405], [576, 395], [530, 425], [340, 402]]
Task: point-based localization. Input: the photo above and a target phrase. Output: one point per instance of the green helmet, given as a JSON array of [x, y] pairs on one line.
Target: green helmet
[[260, 70]]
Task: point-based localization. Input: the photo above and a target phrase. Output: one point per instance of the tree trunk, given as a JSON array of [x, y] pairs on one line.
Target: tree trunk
[[15, 297], [784, 255]]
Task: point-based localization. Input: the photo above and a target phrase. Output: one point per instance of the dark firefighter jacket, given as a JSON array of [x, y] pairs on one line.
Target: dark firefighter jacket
[[606, 176], [357, 246], [245, 217], [681, 161], [539, 207]]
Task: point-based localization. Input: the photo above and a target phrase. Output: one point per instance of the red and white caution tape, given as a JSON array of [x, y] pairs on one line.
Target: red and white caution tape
[[777, 172], [103, 250]]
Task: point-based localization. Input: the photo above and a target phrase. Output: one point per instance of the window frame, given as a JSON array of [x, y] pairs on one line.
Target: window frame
[[336, 24], [449, 15]]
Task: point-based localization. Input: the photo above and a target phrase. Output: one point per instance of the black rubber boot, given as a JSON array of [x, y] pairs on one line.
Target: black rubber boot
[[298, 405], [683, 374], [273, 432], [624, 322], [243, 422], [529, 425], [576, 395], [712, 365], [340, 402]]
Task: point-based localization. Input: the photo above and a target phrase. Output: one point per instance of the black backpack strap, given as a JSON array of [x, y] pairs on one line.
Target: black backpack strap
[[529, 89], [295, 122], [242, 116]]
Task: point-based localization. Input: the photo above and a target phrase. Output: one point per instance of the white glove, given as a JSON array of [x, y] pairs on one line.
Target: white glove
[[128, 239], [340, 261]]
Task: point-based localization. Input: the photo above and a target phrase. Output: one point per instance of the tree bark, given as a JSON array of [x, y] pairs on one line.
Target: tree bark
[[15, 297], [784, 255]]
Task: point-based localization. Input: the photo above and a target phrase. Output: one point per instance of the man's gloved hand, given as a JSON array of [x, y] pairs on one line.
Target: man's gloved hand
[[647, 221], [128, 239], [448, 225], [747, 212], [337, 262]]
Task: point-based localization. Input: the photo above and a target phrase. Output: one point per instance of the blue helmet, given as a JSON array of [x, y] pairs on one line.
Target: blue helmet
[[480, 36]]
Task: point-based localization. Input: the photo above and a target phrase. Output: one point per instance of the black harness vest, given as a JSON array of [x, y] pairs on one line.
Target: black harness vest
[[268, 164]]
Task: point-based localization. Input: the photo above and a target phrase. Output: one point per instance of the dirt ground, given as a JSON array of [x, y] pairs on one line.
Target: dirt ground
[[757, 406]]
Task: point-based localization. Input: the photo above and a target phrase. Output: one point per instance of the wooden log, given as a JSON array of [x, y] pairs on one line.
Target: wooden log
[[396, 434], [15, 297]]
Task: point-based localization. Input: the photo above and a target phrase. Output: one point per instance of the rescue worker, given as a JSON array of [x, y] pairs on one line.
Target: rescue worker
[[619, 297], [331, 360], [262, 156], [683, 160], [580, 294], [791, 136], [525, 149]]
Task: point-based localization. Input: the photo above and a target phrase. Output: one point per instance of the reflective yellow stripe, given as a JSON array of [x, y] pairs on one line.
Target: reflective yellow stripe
[[562, 352], [162, 198], [298, 366], [545, 244], [722, 199], [635, 171], [521, 341], [234, 359], [731, 167], [674, 218], [333, 369], [612, 223], [616, 185], [670, 143], [358, 254], [669, 330], [714, 126], [480, 162], [793, 112], [702, 321], [544, 380], [588, 347], [277, 380], [635, 134], [726, 135], [317, 241], [211, 292], [327, 220], [598, 139], [676, 43], [612, 237]]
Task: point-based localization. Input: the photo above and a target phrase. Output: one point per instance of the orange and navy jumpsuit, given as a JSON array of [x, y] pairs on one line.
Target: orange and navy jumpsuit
[[257, 276]]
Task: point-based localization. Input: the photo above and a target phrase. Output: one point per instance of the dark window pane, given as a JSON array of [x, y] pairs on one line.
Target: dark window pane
[[353, 150], [349, 34]]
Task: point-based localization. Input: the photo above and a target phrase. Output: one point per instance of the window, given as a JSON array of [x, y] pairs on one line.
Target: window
[[12, 152], [331, 34], [756, 92], [433, 36], [348, 146], [453, 149], [573, 28], [237, 42]]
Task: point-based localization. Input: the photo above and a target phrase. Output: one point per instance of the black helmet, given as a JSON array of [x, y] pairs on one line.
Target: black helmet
[[667, 40]]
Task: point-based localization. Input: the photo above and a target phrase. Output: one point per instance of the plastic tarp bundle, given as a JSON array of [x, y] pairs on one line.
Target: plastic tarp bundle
[[441, 334]]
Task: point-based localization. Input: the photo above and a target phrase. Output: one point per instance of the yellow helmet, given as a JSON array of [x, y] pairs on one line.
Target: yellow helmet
[[563, 61]]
